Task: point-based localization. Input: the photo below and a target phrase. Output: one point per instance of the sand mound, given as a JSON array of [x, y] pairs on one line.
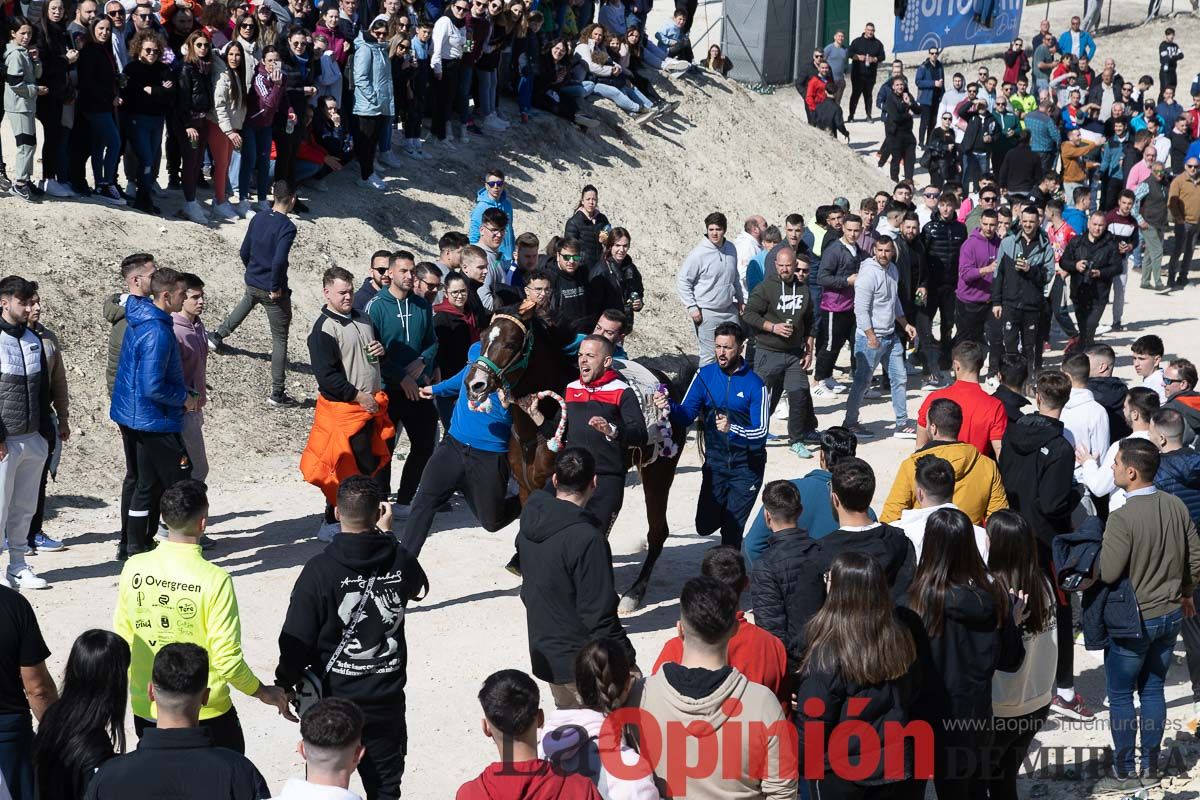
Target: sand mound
[[725, 148]]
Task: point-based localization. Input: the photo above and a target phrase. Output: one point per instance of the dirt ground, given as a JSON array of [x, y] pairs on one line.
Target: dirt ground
[[727, 149]]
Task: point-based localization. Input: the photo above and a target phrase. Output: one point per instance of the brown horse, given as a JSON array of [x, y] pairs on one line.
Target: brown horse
[[517, 360]]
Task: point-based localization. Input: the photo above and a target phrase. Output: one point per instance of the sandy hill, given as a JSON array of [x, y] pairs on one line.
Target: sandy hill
[[725, 148]]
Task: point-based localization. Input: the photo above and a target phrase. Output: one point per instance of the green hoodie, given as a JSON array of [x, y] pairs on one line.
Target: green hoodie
[[405, 327]]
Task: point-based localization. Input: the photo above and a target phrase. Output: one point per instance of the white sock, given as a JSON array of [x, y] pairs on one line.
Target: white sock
[[1067, 694]]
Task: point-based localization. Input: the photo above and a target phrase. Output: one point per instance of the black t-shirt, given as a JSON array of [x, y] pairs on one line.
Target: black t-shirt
[[21, 645]]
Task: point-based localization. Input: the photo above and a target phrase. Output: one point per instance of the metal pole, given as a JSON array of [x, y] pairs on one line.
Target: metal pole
[[973, 48]]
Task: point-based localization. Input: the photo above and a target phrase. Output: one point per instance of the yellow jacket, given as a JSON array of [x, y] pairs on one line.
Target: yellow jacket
[[169, 595], [977, 487]]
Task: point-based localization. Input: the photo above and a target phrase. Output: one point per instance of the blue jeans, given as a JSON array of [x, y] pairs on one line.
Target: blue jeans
[[147, 132], [486, 96], [106, 146], [973, 167], [611, 93], [16, 754], [306, 169], [1141, 664], [255, 152], [654, 56], [866, 359]]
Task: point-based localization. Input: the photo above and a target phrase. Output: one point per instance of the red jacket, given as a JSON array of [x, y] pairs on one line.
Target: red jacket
[[527, 780], [816, 93], [754, 652]]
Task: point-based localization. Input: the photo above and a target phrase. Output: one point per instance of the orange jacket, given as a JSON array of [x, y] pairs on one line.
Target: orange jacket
[[327, 459]]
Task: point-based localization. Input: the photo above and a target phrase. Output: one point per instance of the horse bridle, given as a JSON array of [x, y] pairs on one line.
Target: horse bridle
[[519, 362]]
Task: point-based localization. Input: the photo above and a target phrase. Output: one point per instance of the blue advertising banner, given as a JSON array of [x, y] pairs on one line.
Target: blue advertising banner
[[947, 23]]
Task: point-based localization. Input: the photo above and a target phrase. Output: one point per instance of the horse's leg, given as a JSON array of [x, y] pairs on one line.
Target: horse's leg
[[656, 486]]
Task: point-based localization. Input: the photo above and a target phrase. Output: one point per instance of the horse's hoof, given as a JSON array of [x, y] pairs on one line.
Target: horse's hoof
[[629, 604]]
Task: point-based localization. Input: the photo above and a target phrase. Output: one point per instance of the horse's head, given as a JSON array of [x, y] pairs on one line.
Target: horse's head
[[505, 346]]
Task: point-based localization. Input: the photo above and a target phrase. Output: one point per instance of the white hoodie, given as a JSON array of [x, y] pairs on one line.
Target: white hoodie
[[912, 522], [1085, 424]]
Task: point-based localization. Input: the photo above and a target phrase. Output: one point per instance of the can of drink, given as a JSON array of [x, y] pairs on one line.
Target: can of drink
[[371, 357]]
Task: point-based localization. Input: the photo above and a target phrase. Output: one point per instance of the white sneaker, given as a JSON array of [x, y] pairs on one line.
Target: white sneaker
[[676, 65], [328, 530], [822, 390], [25, 578], [1103, 329], [194, 212], [388, 160], [4, 581], [587, 122], [781, 410], [224, 211], [835, 387], [376, 182], [494, 123], [56, 189], [242, 209]]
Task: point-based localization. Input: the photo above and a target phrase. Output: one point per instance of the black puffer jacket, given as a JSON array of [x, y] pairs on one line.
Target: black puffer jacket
[[890, 547], [194, 99], [787, 588], [943, 238], [587, 231], [1179, 474]]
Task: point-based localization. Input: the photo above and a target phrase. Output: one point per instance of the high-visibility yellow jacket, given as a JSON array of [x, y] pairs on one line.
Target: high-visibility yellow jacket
[[171, 594]]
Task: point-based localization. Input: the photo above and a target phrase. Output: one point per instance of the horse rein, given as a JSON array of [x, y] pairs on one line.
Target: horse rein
[[519, 362]]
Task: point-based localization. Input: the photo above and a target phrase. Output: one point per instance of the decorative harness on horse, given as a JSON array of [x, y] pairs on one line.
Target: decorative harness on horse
[[519, 363]]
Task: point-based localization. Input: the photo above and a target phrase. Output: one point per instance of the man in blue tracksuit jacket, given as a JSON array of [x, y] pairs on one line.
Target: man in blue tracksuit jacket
[[735, 407], [472, 458], [148, 400], [493, 195]]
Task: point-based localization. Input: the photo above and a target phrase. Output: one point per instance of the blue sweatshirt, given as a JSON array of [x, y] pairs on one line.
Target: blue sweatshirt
[[265, 251], [741, 396], [482, 430], [816, 517]]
